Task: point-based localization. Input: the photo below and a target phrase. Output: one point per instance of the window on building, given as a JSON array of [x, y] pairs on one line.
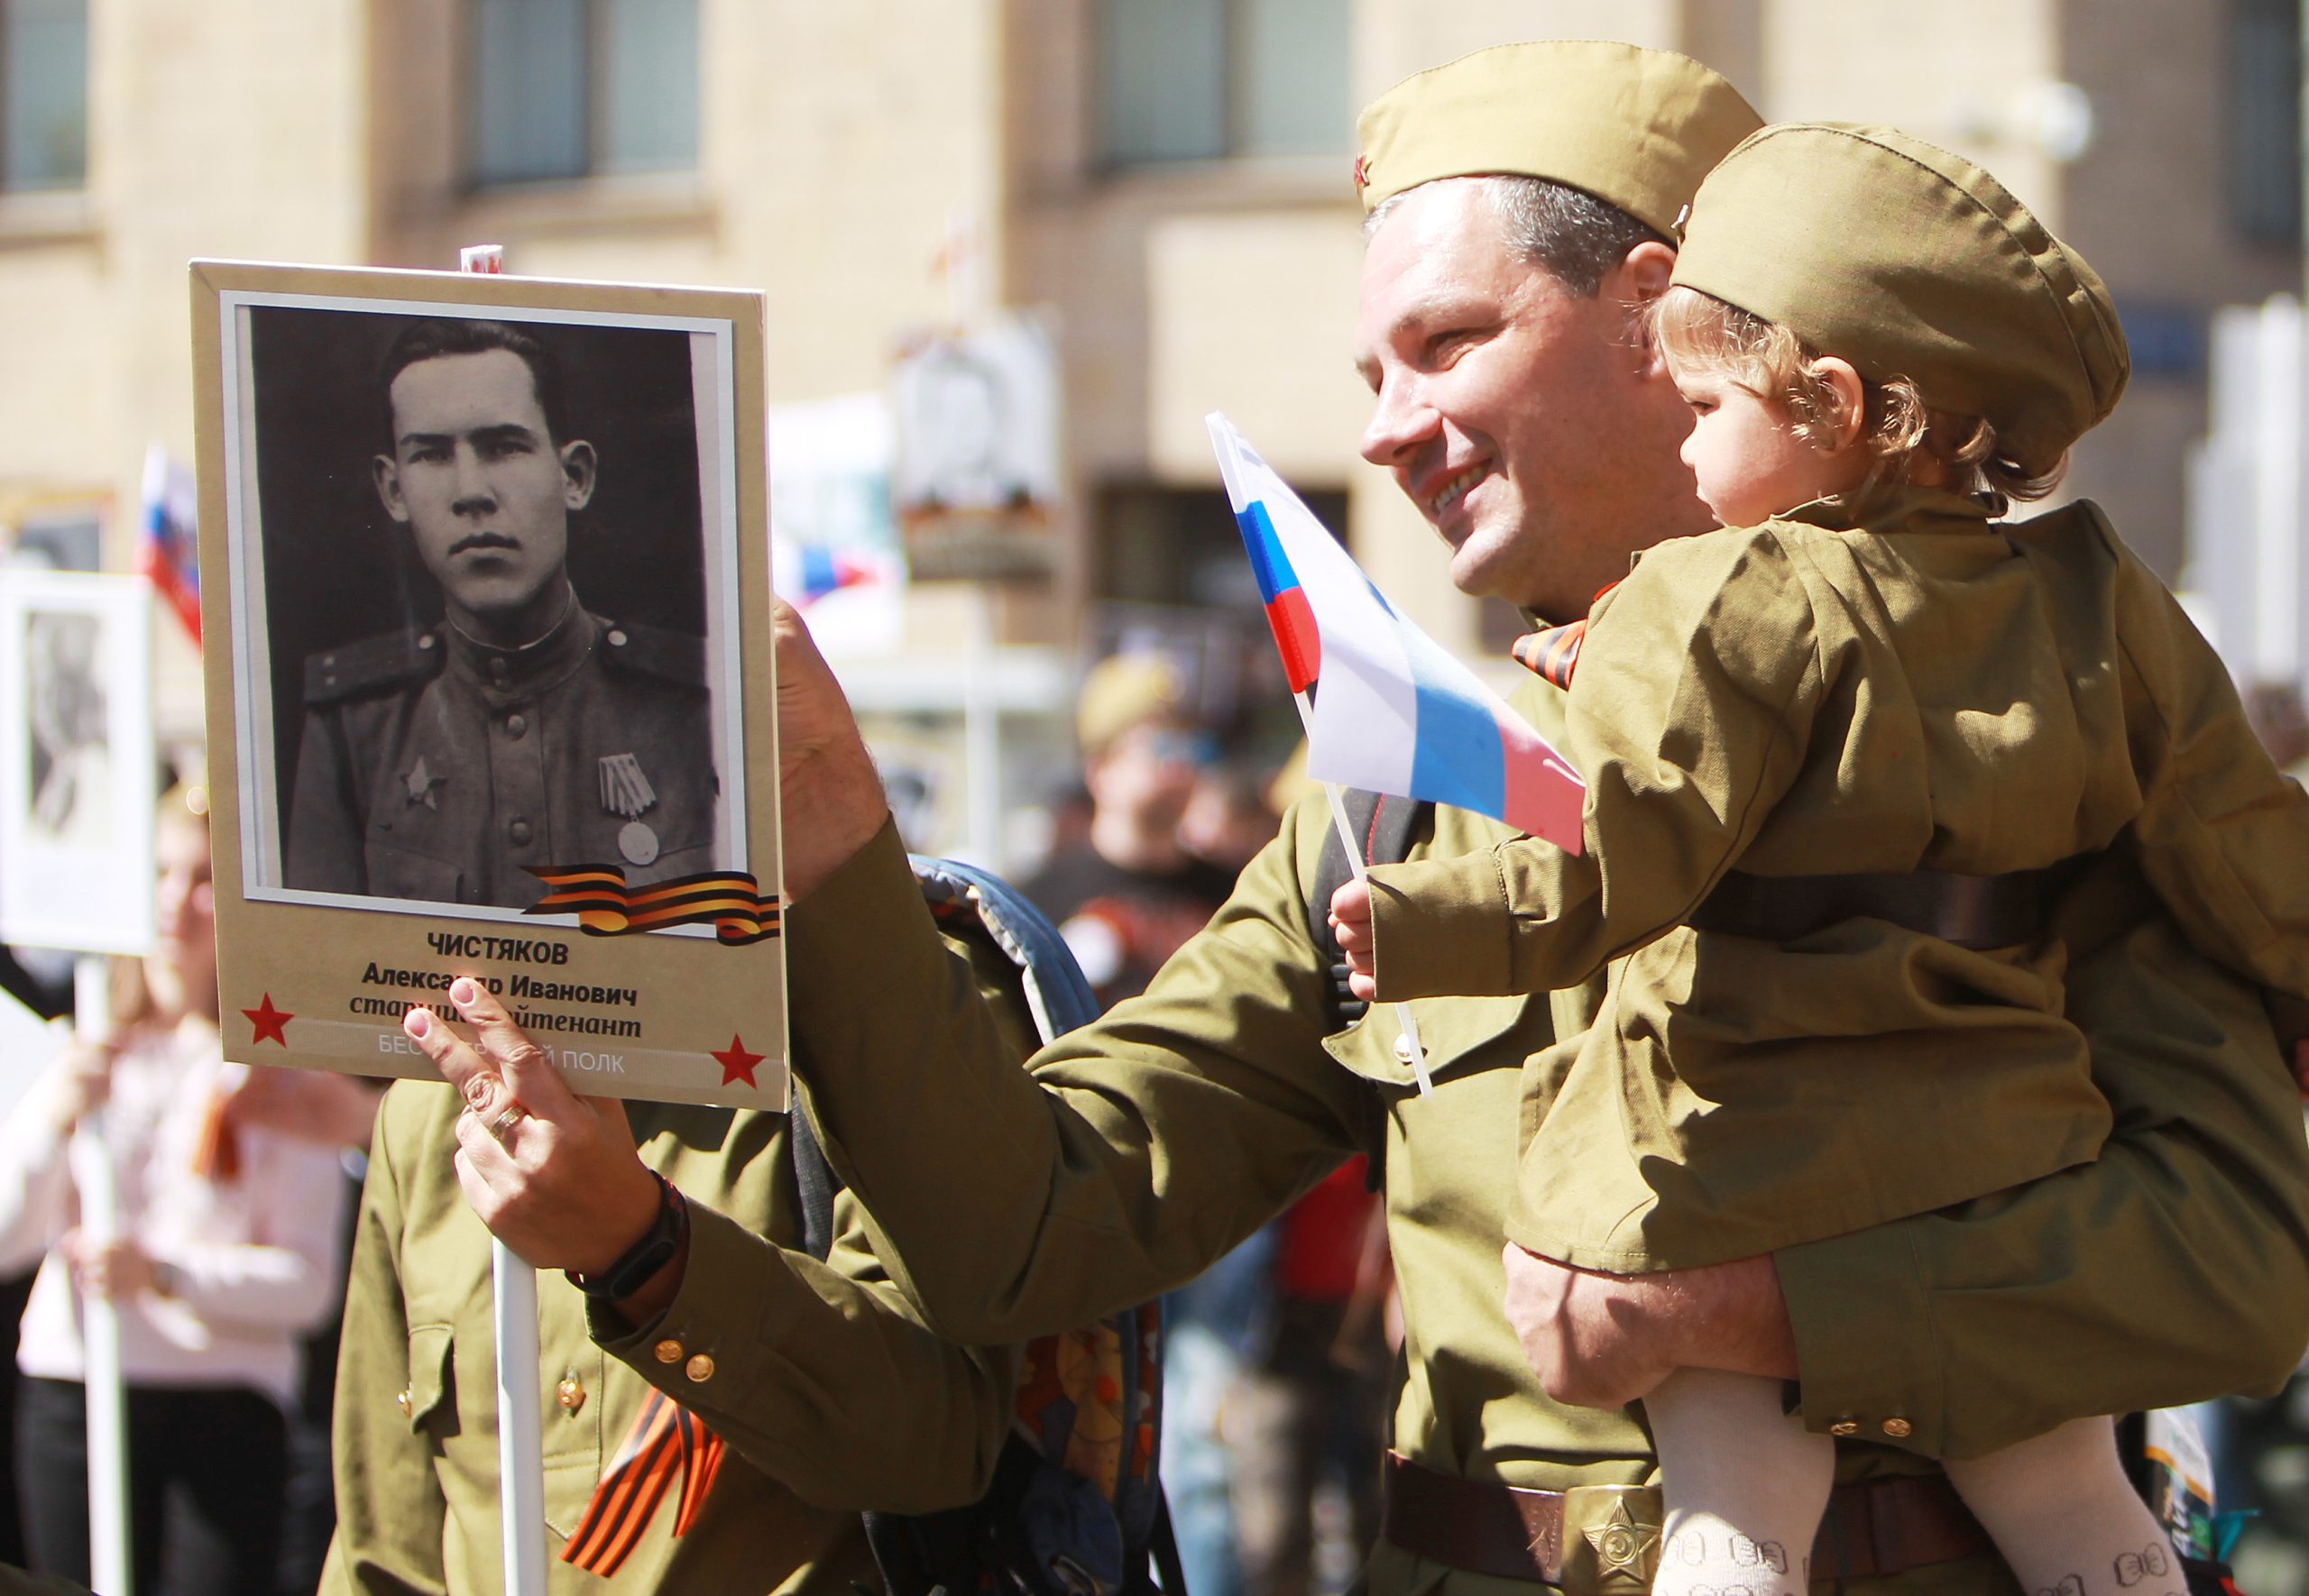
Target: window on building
[[1179, 546], [576, 88], [2265, 119], [43, 94], [1206, 79]]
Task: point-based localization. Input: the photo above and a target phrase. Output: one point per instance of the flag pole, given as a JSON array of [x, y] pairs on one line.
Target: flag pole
[[90, 1157], [521, 1425], [1354, 847]]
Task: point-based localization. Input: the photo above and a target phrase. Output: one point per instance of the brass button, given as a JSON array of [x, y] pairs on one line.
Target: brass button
[[1897, 1428], [616, 637], [1844, 1427], [499, 672], [668, 1351], [401, 1400], [426, 641], [520, 832], [700, 1369], [517, 725], [1402, 1048], [570, 1393]]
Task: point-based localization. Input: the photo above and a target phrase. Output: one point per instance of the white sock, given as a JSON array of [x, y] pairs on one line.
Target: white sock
[[2059, 1507], [1744, 1484]]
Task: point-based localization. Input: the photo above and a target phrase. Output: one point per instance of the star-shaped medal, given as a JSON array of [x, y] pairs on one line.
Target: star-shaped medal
[[1621, 1543], [422, 784]]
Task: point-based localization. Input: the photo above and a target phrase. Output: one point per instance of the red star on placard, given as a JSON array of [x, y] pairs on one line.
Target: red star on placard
[[269, 1023], [737, 1064]]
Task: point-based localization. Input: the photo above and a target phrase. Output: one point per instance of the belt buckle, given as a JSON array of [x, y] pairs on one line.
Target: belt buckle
[[1611, 1540]]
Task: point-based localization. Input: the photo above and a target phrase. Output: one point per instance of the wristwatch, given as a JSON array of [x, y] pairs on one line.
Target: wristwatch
[[654, 1250]]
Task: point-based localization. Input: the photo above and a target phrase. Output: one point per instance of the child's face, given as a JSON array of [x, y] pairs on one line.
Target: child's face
[[1751, 462]]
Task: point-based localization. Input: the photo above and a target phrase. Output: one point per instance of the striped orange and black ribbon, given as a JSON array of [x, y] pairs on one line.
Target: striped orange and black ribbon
[[665, 1436], [1552, 655], [605, 906]]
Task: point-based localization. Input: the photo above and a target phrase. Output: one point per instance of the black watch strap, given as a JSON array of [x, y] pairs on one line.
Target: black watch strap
[[654, 1250]]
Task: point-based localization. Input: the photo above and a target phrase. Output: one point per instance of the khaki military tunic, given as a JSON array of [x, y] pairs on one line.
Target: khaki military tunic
[[1146, 1144], [831, 1396], [1929, 693], [437, 768]]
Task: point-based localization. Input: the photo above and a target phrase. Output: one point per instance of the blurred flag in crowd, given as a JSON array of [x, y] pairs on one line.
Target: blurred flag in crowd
[[834, 543], [1391, 711], [168, 555]]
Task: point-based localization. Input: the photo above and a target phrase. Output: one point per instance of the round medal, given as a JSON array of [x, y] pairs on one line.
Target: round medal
[[638, 843]]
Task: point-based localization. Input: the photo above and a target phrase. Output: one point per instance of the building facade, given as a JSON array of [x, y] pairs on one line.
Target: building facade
[[1167, 180]]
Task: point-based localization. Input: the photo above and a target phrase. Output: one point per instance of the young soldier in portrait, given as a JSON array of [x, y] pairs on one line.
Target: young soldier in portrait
[[525, 730]]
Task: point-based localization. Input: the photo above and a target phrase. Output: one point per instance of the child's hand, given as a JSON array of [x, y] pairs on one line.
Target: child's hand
[[1351, 924]]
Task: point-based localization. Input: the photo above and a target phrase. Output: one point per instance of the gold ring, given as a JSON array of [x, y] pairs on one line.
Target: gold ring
[[513, 1116]]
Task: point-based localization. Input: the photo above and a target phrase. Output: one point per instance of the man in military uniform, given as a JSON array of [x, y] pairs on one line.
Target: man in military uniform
[[524, 731], [1524, 198]]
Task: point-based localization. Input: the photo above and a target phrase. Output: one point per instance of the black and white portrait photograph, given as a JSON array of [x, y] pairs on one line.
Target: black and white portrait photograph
[[489, 671], [483, 563], [75, 811]]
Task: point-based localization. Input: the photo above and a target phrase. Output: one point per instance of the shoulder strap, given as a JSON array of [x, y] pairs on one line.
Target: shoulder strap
[[816, 1180], [1385, 825]]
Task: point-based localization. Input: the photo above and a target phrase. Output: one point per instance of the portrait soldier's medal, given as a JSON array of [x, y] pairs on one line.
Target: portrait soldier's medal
[[626, 790], [446, 761]]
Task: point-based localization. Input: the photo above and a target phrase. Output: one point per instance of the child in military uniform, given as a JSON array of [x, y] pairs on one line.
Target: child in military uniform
[[1837, 757]]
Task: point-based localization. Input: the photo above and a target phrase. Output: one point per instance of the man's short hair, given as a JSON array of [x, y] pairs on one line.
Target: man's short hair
[[431, 340], [1568, 233]]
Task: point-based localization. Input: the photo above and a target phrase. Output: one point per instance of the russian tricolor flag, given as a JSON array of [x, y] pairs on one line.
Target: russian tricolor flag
[[1394, 712], [168, 556]]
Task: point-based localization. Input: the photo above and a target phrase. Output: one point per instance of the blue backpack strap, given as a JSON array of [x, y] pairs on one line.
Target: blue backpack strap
[[1056, 989]]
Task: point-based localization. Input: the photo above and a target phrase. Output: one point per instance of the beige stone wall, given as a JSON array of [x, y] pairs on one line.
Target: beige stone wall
[[844, 145]]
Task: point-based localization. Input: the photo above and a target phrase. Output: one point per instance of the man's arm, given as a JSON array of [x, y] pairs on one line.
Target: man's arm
[[1139, 1149], [389, 1510], [826, 1380], [2173, 1268]]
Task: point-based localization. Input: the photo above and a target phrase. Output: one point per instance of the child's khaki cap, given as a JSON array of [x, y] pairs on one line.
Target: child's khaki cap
[[1909, 262], [1635, 128]]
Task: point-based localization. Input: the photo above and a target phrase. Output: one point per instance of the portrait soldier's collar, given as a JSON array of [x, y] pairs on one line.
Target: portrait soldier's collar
[[531, 668]]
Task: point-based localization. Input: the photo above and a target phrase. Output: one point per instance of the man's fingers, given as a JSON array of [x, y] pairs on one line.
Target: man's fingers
[[528, 1074], [476, 1080]]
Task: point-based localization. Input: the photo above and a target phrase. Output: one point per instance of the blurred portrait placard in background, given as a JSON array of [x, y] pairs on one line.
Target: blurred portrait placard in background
[[493, 682], [75, 763], [977, 476]]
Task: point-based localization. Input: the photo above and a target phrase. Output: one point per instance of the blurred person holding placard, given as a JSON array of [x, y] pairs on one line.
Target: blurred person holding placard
[[225, 1253]]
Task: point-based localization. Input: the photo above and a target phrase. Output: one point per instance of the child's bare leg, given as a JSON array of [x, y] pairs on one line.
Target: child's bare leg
[[2059, 1507], [1744, 1485]]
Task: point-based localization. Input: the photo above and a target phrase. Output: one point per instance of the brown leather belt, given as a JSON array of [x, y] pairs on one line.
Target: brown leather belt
[[1597, 1539], [1971, 910]]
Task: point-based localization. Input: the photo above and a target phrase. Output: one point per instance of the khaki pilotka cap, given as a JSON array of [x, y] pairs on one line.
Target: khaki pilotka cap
[[1909, 262], [1636, 128], [1127, 690]]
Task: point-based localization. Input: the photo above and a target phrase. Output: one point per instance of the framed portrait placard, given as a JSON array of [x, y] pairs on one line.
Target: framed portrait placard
[[489, 671], [76, 785]]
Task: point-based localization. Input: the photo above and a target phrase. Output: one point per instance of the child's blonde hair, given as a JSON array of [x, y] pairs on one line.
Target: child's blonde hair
[[1701, 333]]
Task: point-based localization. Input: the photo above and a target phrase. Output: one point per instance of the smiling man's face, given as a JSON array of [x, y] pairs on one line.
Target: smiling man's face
[[485, 489], [1528, 424]]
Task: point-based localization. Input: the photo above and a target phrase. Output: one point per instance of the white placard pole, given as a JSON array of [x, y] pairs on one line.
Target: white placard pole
[[520, 1426], [91, 1158]]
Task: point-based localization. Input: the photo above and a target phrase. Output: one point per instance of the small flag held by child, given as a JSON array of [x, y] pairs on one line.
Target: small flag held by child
[[1392, 712]]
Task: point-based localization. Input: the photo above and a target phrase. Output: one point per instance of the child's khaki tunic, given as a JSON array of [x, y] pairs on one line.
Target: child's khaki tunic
[[1795, 700]]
